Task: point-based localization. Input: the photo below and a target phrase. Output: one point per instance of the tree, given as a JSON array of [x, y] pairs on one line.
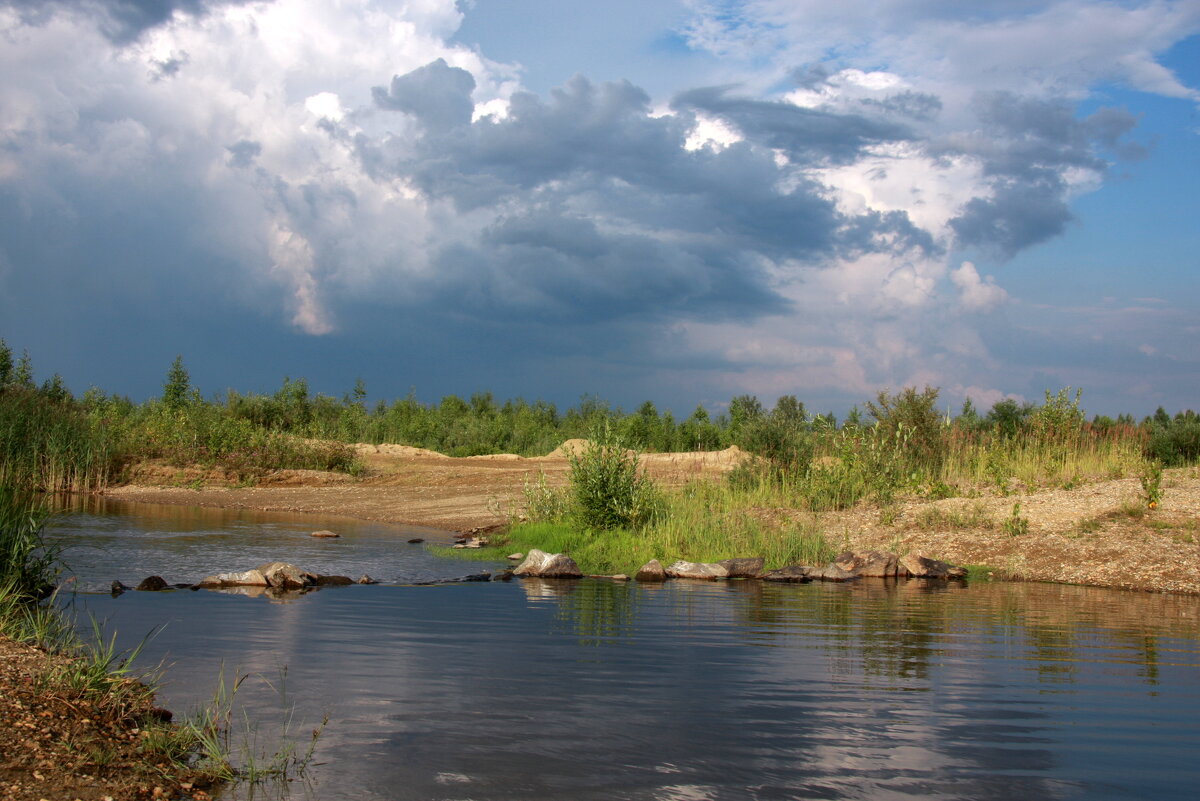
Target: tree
[[23, 375], [178, 386], [6, 364]]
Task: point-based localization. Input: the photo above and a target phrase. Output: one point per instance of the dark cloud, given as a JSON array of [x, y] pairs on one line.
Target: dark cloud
[[807, 135], [1026, 148], [120, 20], [437, 94], [243, 153], [600, 212], [917, 105]]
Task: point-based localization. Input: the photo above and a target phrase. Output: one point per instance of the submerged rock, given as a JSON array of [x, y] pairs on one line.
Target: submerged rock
[[709, 571], [152, 584], [118, 588], [540, 564], [746, 567], [797, 574], [870, 564], [651, 571], [333, 581], [416, 540], [328, 535], [365, 579]]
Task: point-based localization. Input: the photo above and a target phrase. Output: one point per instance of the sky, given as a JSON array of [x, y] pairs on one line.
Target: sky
[[673, 200]]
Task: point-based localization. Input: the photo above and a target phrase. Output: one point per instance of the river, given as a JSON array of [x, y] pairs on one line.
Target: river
[[594, 689]]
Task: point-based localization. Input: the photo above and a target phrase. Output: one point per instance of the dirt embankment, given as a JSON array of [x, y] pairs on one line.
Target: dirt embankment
[[1093, 534], [56, 744]]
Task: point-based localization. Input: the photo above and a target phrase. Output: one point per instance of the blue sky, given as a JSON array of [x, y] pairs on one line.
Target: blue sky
[[676, 201]]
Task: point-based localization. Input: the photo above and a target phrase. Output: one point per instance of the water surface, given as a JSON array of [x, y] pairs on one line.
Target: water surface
[[688, 690]]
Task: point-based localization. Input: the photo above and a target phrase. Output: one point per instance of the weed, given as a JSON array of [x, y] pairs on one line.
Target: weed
[[1151, 480], [1015, 525]]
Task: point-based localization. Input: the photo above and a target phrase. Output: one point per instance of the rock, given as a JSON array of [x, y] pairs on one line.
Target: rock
[[516, 557], [957, 573], [871, 564], [152, 584], [503, 575], [473, 542], [415, 540], [484, 576], [709, 571], [325, 535], [118, 588], [619, 577], [365, 579], [333, 581], [919, 566], [546, 565], [285, 576], [797, 574], [831, 572], [651, 571], [743, 568], [246, 578]]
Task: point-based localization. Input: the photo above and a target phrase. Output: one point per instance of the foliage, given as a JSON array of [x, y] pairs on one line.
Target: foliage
[[1015, 525], [28, 565], [1151, 480], [607, 489]]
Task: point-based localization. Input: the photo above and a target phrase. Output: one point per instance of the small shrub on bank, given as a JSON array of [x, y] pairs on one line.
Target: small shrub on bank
[[607, 489]]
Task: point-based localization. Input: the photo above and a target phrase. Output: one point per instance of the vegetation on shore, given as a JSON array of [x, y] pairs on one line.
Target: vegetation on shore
[[899, 445]]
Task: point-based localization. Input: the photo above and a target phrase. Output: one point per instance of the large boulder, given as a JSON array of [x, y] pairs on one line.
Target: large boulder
[[651, 571], [747, 567], [797, 574], [709, 571], [831, 572], [246, 578], [540, 564], [285, 576], [871, 564], [920, 566]]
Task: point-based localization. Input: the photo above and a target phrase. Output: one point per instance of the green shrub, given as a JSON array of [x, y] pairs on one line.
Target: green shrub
[[1175, 442], [607, 489]]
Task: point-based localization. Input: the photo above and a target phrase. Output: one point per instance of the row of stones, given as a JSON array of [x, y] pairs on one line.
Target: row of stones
[[847, 566]]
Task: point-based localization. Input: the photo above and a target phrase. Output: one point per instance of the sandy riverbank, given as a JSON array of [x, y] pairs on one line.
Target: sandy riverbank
[[1084, 535]]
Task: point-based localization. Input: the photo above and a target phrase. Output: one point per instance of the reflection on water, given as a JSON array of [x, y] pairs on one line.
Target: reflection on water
[[695, 690], [107, 540]]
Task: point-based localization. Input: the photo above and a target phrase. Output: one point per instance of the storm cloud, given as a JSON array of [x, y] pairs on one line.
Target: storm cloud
[[318, 173]]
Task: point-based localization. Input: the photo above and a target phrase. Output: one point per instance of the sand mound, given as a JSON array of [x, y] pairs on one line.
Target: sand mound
[[727, 459], [496, 457], [572, 447], [399, 451]]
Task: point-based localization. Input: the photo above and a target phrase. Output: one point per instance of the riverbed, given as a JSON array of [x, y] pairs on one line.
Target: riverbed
[[688, 690]]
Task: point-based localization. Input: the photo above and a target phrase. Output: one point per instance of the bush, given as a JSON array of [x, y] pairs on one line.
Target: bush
[[911, 418], [607, 490], [1176, 442]]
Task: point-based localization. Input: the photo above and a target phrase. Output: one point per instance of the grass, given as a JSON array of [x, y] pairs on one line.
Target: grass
[[700, 523]]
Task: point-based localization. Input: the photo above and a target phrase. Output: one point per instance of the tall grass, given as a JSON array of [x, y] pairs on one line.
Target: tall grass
[[52, 443], [28, 564]]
